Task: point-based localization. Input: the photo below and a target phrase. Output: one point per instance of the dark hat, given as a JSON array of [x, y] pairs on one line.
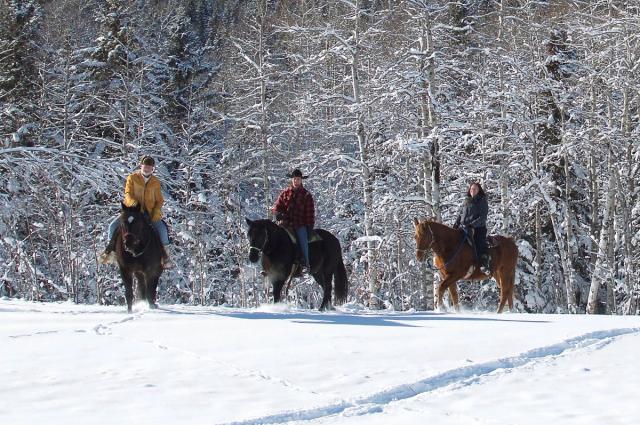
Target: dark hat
[[147, 160], [296, 173]]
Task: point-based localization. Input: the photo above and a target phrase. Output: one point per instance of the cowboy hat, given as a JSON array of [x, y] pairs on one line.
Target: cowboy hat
[[297, 173]]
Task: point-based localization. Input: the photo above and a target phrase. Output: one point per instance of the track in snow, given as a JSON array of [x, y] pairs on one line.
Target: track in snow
[[460, 377]]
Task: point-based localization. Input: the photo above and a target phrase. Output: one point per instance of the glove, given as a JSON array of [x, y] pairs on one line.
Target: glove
[[280, 216]]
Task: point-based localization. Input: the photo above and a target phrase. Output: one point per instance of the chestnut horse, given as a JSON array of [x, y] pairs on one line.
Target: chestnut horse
[[456, 260]]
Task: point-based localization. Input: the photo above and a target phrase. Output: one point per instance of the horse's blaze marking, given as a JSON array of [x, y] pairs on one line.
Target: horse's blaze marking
[[130, 219]]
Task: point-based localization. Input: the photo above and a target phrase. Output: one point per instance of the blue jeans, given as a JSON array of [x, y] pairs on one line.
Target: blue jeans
[[303, 241], [160, 226]]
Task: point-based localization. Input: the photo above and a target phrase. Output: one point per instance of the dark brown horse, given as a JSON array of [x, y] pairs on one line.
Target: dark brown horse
[[272, 244], [455, 259], [139, 253]]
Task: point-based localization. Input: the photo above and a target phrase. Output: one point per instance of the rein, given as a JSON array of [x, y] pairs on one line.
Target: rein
[[455, 254]]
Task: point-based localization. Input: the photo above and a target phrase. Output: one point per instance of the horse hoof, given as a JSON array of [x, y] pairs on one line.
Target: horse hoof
[[153, 306]]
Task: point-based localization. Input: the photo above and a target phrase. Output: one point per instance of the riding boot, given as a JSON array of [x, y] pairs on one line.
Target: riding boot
[[167, 263], [109, 254]]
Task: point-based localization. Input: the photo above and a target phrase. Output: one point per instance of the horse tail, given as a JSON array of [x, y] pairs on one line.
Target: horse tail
[[341, 284]]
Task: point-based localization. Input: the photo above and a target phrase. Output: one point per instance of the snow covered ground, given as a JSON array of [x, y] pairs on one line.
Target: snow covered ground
[[67, 364]]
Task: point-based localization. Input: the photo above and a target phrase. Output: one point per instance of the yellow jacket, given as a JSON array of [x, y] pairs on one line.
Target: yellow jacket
[[148, 195]]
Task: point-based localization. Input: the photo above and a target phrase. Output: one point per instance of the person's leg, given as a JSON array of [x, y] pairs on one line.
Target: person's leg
[[113, 227], [303, 241], [163, 232], [108, 256], [481, 246]]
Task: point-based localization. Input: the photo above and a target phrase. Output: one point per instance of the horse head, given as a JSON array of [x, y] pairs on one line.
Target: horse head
[[134, 228], [424, 238], [258, 236]]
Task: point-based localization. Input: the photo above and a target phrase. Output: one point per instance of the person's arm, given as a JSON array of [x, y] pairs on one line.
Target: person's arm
[[311, 212], [483, 211], [129, 199], [156, 212], [280, 207]]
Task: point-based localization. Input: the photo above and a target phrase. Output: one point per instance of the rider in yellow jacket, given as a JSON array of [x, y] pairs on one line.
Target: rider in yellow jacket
[[144, 191], [141, 189]]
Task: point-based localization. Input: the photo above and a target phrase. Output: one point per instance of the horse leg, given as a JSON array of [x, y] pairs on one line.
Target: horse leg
[[277, 290], [325, 284], [453, 295], [127, 279], [444, 285], [505, 282], [141, 285], [152, 288]]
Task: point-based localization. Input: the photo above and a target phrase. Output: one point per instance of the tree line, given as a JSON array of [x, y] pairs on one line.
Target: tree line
[[392, 107]]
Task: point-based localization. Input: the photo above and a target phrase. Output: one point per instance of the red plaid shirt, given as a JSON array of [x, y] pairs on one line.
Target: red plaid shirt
[[297, 207]]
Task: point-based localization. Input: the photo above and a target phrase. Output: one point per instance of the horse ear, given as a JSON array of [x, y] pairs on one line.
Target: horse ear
[[249, 222], [123, 206], [415, 221]]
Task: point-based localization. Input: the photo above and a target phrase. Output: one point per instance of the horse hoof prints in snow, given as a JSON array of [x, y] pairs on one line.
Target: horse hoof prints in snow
[[455, 259], [139, 254], [272, 245]]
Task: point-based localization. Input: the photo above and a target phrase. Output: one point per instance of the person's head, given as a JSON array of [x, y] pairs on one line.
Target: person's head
[[147, 165], [296, 178], [475, 189]]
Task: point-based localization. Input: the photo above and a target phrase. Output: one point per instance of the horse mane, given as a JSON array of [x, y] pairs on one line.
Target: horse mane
[[424, 224]]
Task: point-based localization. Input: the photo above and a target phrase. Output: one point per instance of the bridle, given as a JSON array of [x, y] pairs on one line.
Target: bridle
[[260, 250], [125, 233], [455, 254], [429, 248]]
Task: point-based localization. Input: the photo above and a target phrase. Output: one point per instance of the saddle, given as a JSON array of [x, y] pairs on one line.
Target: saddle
[[313, 235], [492, 242]]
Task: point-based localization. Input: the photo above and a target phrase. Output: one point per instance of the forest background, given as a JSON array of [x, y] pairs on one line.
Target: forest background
[[391, 107]]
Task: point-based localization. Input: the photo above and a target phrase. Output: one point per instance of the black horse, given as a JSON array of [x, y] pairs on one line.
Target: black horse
[[279, 255], [139, 253]]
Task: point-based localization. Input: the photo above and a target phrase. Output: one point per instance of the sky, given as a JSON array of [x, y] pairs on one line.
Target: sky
[[62, 363]]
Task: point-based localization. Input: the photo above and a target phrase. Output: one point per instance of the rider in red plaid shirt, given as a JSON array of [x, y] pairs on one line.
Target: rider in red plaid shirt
[[294, 207]]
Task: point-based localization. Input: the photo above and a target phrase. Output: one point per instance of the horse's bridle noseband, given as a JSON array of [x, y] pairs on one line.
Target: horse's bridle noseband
[[266, 239]]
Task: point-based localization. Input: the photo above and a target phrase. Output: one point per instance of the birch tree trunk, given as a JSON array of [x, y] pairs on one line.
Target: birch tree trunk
[[264, 120], [570, 274], [431, 161], [561, 241], [367, 178], [600, 269]]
